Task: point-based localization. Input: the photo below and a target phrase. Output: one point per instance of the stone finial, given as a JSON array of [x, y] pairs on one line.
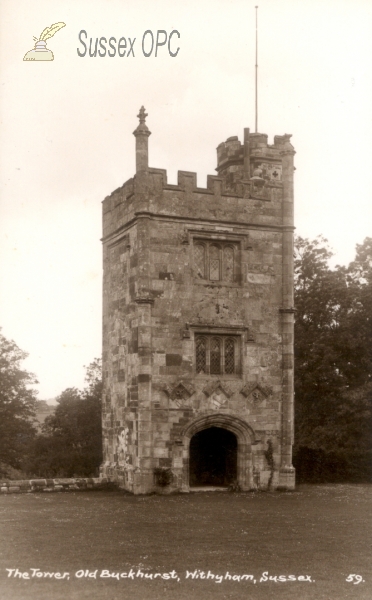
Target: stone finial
[[142, 128], [142, 115], [141, 134]]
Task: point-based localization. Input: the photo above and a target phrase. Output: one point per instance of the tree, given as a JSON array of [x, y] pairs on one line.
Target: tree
[[333, 371], [70, 444], [17, 404], [359, 277]]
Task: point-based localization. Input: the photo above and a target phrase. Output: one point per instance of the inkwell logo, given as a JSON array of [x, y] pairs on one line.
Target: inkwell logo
[[41, 52]]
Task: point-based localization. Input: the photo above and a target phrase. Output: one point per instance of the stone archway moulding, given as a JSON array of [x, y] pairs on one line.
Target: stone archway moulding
[[241, 429], [245, 436]]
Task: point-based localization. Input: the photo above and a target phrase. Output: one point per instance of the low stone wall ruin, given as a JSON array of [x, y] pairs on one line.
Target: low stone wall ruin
[[55, 485]]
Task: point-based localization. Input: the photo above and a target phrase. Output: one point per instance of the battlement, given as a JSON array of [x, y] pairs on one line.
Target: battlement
[[248, 186], [244, 170], [187, 180], [242, 159]]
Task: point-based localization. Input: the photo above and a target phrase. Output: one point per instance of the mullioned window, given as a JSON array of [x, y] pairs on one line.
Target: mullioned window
[[216, 354], [215, 261]]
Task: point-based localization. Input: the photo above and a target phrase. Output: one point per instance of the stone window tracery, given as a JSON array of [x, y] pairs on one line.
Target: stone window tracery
[[217, 354], [215, 261]]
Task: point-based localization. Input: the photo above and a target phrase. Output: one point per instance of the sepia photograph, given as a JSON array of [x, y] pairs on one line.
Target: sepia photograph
[[185, 300]]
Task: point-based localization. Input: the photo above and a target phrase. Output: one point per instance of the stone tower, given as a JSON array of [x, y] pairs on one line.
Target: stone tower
[[198, 322]]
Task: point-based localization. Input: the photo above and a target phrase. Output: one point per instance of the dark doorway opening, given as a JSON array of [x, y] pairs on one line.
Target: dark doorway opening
[[213, 457]]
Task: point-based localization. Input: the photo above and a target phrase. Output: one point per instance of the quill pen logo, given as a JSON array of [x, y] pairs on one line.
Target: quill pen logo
[[41, 52]]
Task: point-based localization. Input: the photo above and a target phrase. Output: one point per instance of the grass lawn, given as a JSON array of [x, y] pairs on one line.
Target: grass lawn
[[322, 533]]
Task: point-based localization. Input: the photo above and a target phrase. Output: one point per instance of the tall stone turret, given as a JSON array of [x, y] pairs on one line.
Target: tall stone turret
[[198, 322]]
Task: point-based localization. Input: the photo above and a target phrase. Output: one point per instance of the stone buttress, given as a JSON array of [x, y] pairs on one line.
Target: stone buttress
[[198, 317]]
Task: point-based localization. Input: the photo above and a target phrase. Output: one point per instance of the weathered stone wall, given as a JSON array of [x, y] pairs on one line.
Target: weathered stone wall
[[25, 486], [155, 304]]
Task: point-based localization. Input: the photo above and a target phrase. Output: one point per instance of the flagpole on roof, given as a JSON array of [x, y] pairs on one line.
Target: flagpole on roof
[[256, 108]]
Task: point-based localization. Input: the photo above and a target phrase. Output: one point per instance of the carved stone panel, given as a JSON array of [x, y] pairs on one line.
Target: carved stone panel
[[218, 394], [180, 393], [256, 392]]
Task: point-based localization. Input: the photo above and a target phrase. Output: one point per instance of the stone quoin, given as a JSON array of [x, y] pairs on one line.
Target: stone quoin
[[198, 323]]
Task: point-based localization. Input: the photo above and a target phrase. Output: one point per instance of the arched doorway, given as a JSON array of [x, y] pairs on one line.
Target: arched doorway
[[213, 457]]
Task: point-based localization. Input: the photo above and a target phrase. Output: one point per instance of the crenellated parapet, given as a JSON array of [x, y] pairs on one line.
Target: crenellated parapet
[[247, 202], [248, 187]]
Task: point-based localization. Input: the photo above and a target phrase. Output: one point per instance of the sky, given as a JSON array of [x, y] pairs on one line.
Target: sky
[[67, 143]]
